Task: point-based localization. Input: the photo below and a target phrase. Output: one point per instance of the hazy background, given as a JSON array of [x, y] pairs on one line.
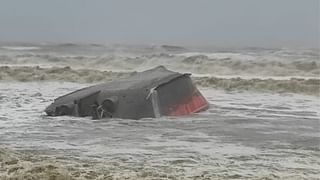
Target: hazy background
[[268, 23]]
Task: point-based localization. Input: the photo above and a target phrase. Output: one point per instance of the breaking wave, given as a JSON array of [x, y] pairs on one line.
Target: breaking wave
[[28, 73], [220, 63], [293, 85], [20, 48], [309, 86]]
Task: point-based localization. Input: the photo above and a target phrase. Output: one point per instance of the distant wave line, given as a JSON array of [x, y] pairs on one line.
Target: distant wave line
[[36, 73]]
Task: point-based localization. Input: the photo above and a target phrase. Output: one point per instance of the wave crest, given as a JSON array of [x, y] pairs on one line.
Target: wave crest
[[36, 73], [293, 85], [199, 63], [28, 73]]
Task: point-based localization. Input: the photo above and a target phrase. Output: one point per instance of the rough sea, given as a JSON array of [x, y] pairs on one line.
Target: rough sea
[[263, 121]]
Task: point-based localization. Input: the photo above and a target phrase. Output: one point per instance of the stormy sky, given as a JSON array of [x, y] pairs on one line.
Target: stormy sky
[[263, 23]]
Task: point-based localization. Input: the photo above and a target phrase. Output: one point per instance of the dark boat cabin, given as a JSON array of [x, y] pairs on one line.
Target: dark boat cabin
[[152, 93]]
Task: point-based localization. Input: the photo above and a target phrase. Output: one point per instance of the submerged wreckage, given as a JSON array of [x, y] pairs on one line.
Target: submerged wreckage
[[152, 93]]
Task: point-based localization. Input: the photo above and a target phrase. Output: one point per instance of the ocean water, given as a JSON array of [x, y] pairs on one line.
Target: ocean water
[[263, 120]]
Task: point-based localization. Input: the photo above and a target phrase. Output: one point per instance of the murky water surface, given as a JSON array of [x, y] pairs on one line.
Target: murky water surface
[[243, 135]]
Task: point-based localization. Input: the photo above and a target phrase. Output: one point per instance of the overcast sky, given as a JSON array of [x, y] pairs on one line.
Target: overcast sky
[[264, 23]]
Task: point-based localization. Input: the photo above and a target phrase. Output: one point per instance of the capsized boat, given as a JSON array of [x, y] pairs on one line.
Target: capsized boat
[[152, 93]]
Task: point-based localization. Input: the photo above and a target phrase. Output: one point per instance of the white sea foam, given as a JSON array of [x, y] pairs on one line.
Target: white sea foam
[[20, 48]]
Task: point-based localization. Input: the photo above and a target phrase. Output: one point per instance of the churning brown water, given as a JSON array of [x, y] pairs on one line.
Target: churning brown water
[[251, 131]]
